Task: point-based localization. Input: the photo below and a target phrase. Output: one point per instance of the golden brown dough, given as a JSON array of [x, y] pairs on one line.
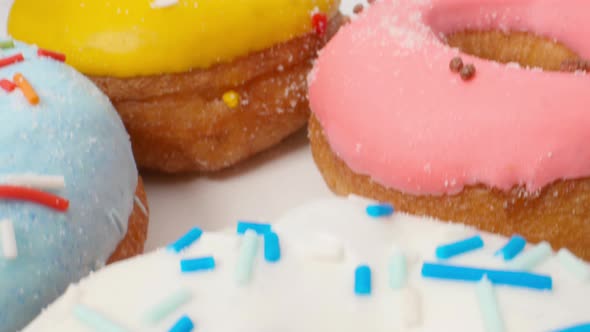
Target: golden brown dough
[[179, 123], [133, 242]]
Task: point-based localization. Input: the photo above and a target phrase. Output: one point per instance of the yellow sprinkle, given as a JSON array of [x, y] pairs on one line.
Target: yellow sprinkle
[[231, 99]]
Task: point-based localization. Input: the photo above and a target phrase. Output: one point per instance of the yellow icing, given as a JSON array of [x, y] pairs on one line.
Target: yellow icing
[[125, 38]]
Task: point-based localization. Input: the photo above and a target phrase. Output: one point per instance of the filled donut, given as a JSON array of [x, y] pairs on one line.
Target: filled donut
[[401, 116], [200, 85], [333, 265], [70, 198]]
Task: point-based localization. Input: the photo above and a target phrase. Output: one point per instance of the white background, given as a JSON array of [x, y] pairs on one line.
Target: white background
[[258, 189]]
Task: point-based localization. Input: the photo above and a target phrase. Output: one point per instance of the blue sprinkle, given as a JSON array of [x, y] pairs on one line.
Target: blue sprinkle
[[380, 210], [460, 247], [512, 248], [497, 277], [184, 324], [186, 240], [272, 247], [197, 264], [362, 280], [259, 228], [584, 327]]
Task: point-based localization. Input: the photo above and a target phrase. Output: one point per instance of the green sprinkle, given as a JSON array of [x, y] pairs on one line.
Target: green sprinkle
[[488, 306], [6, 44], [246, 257], [573, 264], [397, 271], [167, 306], [529, 259], [95, 320]]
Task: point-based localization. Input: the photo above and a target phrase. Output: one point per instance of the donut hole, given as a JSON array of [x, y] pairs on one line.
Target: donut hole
[[524, 48]]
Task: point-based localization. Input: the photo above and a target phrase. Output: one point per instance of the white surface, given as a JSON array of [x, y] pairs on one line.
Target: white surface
[[261, 188]]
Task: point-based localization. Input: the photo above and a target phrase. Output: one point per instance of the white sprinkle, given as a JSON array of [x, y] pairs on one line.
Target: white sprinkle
[[323, 247], [9, 248], [163, 3], [117, 221], [46, 182], [141, 206], [411, 307], [531, 258], [489, 306], [573, 264]]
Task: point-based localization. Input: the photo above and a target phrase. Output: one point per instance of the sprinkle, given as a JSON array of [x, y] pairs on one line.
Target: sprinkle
[[167, 306], [186, 240], [118, 222], [141, 206], [512, 248], [50, 54], [573, 264], [488, 306], [397, 270], [95, 320], [163, 3], [319, 21], [497, 277], [26, 88], [272, 247], [9, 248], [259, 228], [358, 8], [467, 72], [41, 182], [362, 280], [246, 257], [231, 99], [529, 259], [324, 247], [380, 210], [184, 324], [11, 60], [35, 196], [453, 249], [584, 327], [7, 85], [456, 64], [197, 264], [411, 308], [6, 44]]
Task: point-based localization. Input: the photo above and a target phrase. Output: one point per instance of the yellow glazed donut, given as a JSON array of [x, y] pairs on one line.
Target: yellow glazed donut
[[201, 84]]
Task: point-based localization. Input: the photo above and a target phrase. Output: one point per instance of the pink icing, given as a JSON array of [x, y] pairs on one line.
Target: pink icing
[[391, 108]]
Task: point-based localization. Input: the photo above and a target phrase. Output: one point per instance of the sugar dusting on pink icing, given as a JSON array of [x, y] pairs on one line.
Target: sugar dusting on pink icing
[[391, 108]]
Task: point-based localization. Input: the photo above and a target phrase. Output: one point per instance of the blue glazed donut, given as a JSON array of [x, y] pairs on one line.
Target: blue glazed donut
[[74, 133]]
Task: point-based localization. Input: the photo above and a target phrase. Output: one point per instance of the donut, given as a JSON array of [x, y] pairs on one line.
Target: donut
[[200, 85], [457, 109], [70, 198], [333, 265]]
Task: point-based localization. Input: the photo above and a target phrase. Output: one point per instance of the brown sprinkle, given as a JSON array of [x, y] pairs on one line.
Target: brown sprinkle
[[358, 8], [371, 2], [467, 72], [456, 64], [573, 65]]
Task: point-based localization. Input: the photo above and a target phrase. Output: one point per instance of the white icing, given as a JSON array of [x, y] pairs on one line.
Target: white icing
[[304, 293]]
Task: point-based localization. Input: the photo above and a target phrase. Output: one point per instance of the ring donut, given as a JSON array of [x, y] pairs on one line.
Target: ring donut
[[504, 150]]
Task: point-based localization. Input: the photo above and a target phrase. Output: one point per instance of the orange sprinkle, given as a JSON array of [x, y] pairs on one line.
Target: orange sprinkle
[[26, 88]]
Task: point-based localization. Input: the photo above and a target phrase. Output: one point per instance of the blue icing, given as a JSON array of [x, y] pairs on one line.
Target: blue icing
[[74, 132]]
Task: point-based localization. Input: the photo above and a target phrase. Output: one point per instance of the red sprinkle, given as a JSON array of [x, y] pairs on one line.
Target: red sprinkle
[[7, 85], [54, 55], [35, 196], [320, 23], [11, 60]]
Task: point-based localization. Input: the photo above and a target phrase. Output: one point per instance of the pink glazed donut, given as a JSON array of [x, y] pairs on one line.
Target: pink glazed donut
[[393, 122]]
